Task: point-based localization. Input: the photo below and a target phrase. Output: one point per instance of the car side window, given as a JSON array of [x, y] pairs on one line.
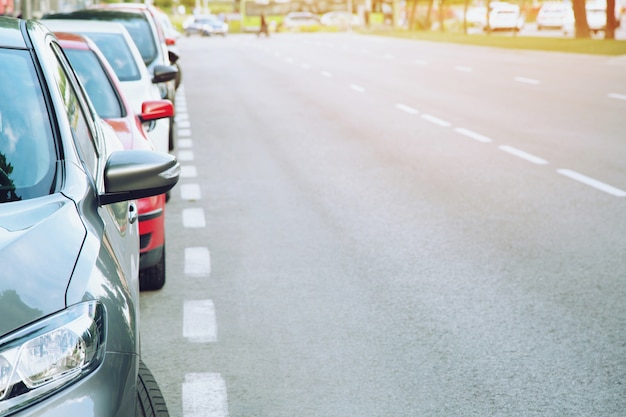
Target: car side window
[[79, 117], [27, 153]]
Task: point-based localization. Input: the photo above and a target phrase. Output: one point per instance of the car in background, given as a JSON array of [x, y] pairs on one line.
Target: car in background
[[554, 15], [146, 32], [171, 40], [105, 92], [505, 16], [205, 25], [69, 293], [596, 17], [301, 22], [137, 84], [341, 20]]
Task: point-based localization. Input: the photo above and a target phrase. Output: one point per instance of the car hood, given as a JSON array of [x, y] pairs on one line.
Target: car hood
[[40, 240]]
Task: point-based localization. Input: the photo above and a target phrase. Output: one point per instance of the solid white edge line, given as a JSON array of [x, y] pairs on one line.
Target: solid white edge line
[[524, 155], [592, 182], [435, 120], [472, 135], [406, 109], [199, 323], [197, 261], [204, 395]]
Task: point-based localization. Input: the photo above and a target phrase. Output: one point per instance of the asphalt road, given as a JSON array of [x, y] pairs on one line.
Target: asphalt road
[[379, 227]]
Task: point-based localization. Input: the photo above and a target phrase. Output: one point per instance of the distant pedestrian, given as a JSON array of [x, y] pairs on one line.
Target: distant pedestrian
[[264, 29]]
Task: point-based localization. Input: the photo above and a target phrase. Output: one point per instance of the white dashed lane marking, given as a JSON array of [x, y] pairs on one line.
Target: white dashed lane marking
[[204, 395], [435, 120], [406, 109], [199, 323], [197, 261], [193, 218], [525, 80], [188, 171], [357, 88], [524, 155], [472, 135], [190, 192], [592, 182], [617, 96]]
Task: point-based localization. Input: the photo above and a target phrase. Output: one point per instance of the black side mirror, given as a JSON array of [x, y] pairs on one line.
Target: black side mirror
[[164, 73]]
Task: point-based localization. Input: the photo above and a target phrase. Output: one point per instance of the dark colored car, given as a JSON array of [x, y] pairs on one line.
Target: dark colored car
[[145, 30], [69, 242], [105, 92]]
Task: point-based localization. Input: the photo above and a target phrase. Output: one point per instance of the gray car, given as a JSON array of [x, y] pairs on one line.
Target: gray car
[[69, 249]]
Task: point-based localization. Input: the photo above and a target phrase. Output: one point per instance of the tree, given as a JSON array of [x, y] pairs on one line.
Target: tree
[[611, 22], [581, 28]]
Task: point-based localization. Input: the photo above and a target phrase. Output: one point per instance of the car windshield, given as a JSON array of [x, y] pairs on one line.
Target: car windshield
[[140, 31], [27, 155], [95, 80], [116, 50]]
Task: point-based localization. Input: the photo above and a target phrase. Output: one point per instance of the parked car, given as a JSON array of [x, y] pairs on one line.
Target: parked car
[[106, 94], [505, 16], [341, 20], [301, 22], [69, 291], [554, 15], [146, 32], [137, 84], [596, 17], [205, 25], [171, 40]]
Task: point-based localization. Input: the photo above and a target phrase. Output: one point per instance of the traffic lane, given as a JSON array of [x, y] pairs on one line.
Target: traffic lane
[[575, 124], [415, 284]]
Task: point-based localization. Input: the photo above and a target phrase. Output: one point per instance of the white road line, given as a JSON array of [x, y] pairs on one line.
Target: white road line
[[435, 120], [592, 182], [617, 96], [463, 69], [197, 261], [527, 80], [289, 60], [185, 155], [327, 74], [183, 133], [357, 88], [180, 115], [184, 143], [305, 66], [406, 108], [472, 135], [188, 171], [524, 155], [190, 192], [420, 62], [199, 323], [388, 56], [204, 395], [183, 124], [193, 218]]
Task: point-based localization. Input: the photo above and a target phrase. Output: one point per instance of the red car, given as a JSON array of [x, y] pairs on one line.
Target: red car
[[104, 91]]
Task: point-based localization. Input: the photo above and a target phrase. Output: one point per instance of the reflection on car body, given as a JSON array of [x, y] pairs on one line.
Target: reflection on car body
[[69, 294], [105, 92]]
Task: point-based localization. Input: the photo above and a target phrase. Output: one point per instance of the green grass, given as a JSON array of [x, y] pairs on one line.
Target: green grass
[[579, 46]]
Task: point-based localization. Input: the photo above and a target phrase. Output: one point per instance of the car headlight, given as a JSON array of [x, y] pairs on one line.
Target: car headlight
[[42, 358]]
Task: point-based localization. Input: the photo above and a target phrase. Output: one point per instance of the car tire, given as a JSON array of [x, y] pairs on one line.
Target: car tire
[[171, 139], [150, 401], [153, 278]]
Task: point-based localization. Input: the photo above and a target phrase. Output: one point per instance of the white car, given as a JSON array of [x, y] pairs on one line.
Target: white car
[[505, 16], [554, 15], [137, 84], [301, 21], [596, 17], [341, 20]]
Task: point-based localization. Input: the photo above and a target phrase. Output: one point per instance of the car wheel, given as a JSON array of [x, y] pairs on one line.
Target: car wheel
[[150, 401], [153, 278]]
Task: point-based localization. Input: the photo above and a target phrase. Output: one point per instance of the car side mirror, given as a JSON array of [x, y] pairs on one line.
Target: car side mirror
[[173, 56], [133, 174], [156, 109], [164, 73]]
